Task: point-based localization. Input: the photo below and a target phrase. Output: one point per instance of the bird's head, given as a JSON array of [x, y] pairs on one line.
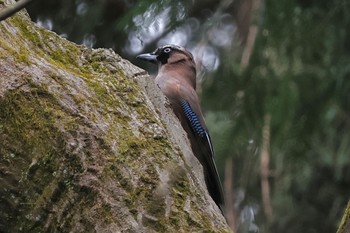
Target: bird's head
[[168, 54], [173, 61]]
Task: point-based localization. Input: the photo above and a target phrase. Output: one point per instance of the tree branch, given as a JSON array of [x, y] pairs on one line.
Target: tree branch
[[12, 9], [229, 195], [264, 168]]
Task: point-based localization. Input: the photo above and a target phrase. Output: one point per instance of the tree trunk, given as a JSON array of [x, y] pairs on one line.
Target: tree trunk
[[345, 222], [88, 143]]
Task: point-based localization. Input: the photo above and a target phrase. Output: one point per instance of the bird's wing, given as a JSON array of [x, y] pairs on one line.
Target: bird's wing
[[203, 149]]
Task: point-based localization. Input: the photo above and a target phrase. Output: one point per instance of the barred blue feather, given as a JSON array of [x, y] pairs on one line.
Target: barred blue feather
[[193, 119]]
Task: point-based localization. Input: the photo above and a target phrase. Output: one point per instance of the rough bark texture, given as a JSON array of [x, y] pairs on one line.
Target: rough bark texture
[[345, 222], [88, 144]]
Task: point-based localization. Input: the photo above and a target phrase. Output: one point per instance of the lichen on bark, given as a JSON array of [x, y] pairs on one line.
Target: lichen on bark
[[88, 144]]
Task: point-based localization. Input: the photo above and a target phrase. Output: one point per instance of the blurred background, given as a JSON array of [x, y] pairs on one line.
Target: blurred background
[[274, 79]]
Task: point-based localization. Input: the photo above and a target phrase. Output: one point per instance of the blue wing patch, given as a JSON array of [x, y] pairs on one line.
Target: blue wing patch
[[193, 119]]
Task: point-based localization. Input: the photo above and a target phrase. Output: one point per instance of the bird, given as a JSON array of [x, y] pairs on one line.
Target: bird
[[177, 80]]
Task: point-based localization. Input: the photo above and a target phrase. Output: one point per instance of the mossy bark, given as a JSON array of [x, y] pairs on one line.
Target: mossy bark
[[88, 144], [345, 222]]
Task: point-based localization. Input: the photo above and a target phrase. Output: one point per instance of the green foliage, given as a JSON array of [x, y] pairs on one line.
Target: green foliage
[[299, 73]]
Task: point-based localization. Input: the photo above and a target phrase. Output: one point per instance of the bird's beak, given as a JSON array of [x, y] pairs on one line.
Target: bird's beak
[[151, 57]]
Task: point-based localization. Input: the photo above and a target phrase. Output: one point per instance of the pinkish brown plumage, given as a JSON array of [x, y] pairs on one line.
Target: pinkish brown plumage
[[177, 80]]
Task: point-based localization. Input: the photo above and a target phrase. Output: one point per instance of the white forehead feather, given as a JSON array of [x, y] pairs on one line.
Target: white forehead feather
[[173, 47]]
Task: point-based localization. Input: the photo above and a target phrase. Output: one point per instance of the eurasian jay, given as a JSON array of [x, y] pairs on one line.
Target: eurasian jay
[[177, 80]]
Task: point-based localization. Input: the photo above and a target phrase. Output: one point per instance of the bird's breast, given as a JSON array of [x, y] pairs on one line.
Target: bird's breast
[[171, 88]]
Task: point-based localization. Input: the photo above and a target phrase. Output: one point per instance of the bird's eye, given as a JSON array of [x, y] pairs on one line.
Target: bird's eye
[[167, 50]]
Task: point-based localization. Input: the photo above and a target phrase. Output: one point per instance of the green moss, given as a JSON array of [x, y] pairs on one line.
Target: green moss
[[23, 119], [180, 188], [154, 224], [130, 155], [43, 43], [23, 56], [98, 67], [28, 132], [192, 223], [115, 171], [19, 56], [65, 58], [31, 35], [106, 214], [345, 220]]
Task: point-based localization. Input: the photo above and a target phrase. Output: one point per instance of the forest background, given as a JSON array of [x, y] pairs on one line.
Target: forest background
[[274, 82]]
